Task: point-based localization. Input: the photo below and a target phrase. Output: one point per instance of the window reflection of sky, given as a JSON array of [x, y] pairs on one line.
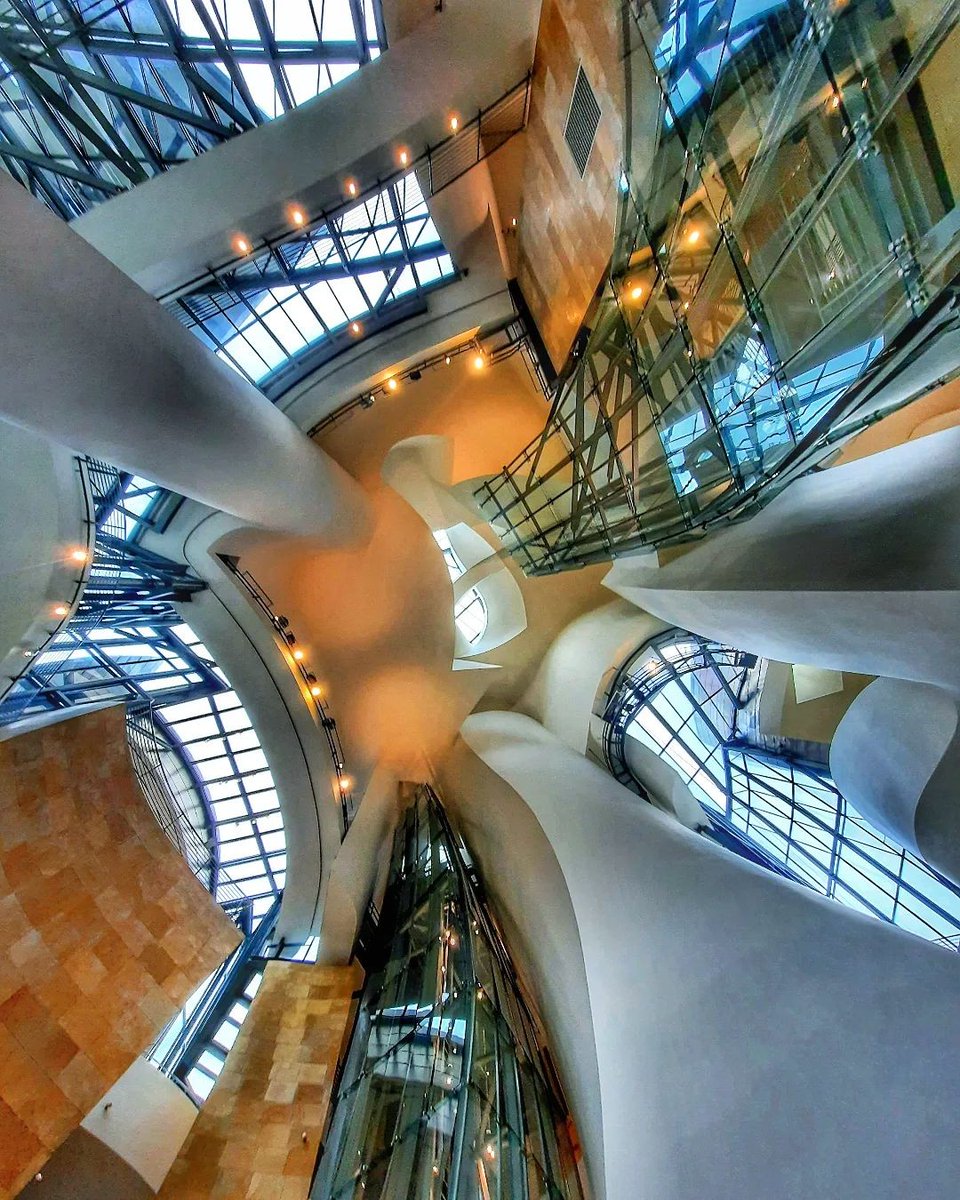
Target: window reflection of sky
[[794, 814], [754, 419]]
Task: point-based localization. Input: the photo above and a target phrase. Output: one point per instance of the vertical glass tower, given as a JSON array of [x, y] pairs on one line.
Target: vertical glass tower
[[446, 1090], [786, 256]]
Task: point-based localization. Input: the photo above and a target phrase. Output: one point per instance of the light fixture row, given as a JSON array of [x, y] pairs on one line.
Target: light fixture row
[[392, 383], [79, 557], [315, 691], [296, 213]]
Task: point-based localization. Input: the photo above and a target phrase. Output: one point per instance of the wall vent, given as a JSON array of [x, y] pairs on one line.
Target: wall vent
[[582, 121]]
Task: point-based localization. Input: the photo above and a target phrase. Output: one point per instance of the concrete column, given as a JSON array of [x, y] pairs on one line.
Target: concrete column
[[896, 758], [749, 1038], [92, 362], [856, 568]]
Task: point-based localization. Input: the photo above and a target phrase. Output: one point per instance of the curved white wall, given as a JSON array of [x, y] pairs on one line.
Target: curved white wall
[[896, 757], [41, 500], [856, 568], [564, 691], [752, 1039], [144, 1119], [122, 380]]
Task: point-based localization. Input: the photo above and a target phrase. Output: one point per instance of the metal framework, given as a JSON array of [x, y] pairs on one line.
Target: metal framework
[[193, 746], [98, 95], [787, 247], [446, 1089], [279, 313], [693, 702]]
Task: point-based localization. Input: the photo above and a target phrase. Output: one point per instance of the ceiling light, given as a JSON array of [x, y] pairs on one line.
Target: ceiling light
[[241, 245], [636, 292], [61, 610], [693, 237], [298, 654], [356, 328], [298, 216], [345, 783], [404, 158], [454, 123], [316, 691], [479, 362], [78, 556], [351, 187], [448, 360], [392, 385]]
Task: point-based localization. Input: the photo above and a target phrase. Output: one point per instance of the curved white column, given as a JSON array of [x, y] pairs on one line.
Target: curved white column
[[856, 568], [752, 1039], [91, 361], [896, 758]]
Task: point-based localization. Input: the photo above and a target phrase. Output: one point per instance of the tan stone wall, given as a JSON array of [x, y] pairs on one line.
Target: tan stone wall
[[567, 227], [104, 932], [247, 1143]]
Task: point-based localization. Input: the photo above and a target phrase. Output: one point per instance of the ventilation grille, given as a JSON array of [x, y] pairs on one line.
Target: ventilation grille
[[582, 121]]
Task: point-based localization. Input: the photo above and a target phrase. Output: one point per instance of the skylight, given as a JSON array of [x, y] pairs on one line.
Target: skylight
[[98, 95], [265, 313]]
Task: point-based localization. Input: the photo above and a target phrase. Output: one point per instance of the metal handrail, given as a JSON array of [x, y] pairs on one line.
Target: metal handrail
[[146, 738], [9, 708], [343, 792]]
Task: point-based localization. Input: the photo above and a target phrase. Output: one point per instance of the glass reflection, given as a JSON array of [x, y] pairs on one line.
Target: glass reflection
[[446, 1089], [788, 225]]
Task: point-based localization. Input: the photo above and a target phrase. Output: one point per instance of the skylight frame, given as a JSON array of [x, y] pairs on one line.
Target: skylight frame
[[98, 95]]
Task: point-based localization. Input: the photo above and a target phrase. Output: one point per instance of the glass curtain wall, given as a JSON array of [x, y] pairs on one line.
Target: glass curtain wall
[[785, 235], [694, 704], [445, 1091]]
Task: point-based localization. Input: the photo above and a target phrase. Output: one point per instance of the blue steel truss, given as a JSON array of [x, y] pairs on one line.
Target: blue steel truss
[[98, 95], [197, 755]]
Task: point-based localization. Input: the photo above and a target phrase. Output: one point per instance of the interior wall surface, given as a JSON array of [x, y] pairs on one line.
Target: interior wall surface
[[83, 1168], [896, 757], [170, 229], [42, 500], [568, 222], [752, 1038], [259, 1132], [104, 932], [144, 1119], [563, 694], [503, 833], [856, 568]]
